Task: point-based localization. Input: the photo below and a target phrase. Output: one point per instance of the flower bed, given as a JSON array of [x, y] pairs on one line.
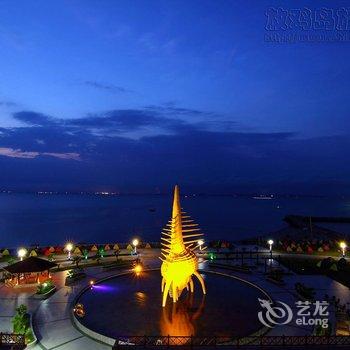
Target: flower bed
[[45, 290]]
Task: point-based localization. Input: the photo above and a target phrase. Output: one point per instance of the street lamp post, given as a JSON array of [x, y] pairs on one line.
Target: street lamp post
[[135, 243], [200, 243], [22, 253], [69, 248], [270, 243], [343, 247]]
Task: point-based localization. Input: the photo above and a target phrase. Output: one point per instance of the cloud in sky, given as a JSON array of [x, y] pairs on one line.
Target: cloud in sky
[[8, 104], [201, 152], [18, 153], [160, 119], [131, 120], [106, 87], [34, 118]]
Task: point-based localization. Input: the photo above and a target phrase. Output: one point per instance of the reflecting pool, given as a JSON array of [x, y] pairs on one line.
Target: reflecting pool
[[131, 305]]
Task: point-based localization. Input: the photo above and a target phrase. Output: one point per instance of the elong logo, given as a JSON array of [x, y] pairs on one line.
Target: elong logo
[[280, 313]]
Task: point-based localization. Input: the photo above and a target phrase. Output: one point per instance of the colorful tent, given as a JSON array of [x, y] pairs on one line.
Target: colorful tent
[[5, 252], [33, 253], [58, 250], [107, 247], [129, 247], [148, 246], [116, 247], [52, 249], [47, 252], [94, 248], [77, 251]]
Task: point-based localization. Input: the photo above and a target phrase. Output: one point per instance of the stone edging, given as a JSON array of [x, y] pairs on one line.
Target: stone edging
[[45, 295], [32, 328]]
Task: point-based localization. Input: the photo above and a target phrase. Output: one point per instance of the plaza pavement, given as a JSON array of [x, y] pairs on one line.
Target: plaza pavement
[[54, 329]]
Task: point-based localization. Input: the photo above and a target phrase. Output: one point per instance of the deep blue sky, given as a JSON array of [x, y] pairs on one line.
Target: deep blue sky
[[137, 95]]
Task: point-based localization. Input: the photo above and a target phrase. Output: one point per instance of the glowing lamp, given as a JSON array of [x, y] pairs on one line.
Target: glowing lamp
[[343, 247], [200, 243], [45, 284], [270, 243], [92, 282], [138, 269], [135, 243], [22, 252], [69, 248]]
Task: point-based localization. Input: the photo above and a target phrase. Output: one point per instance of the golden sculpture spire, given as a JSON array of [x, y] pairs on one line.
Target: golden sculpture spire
[[177, 244], [179, 260]]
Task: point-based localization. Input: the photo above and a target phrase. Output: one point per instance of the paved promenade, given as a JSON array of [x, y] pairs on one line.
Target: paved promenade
[[54, 329]]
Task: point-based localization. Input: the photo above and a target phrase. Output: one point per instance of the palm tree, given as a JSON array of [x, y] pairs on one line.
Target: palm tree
[[85, 254]]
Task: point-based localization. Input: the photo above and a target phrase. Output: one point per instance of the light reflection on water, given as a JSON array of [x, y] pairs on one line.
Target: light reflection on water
[[104, 288], [179, 318], [127, 305], [141, 298]]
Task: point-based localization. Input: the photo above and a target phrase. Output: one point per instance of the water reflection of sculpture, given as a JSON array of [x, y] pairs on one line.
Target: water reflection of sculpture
[[179, 260], [178, 319]]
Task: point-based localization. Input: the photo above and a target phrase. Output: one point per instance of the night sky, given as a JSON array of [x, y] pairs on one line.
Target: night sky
[[139, 95]]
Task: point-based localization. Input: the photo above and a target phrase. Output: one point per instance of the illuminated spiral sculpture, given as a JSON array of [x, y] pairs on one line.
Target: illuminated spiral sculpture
[[180, 263]]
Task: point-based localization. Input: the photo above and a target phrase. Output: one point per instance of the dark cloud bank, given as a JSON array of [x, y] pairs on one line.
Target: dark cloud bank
[[152, 148]]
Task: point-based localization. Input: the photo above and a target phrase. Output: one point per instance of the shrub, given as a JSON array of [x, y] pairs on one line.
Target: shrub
[[21, 323], [19, 320], [341, 264], [45, 287], [327, 263]]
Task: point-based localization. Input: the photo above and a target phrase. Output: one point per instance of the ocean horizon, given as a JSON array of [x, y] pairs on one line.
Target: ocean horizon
[[30, 219]]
